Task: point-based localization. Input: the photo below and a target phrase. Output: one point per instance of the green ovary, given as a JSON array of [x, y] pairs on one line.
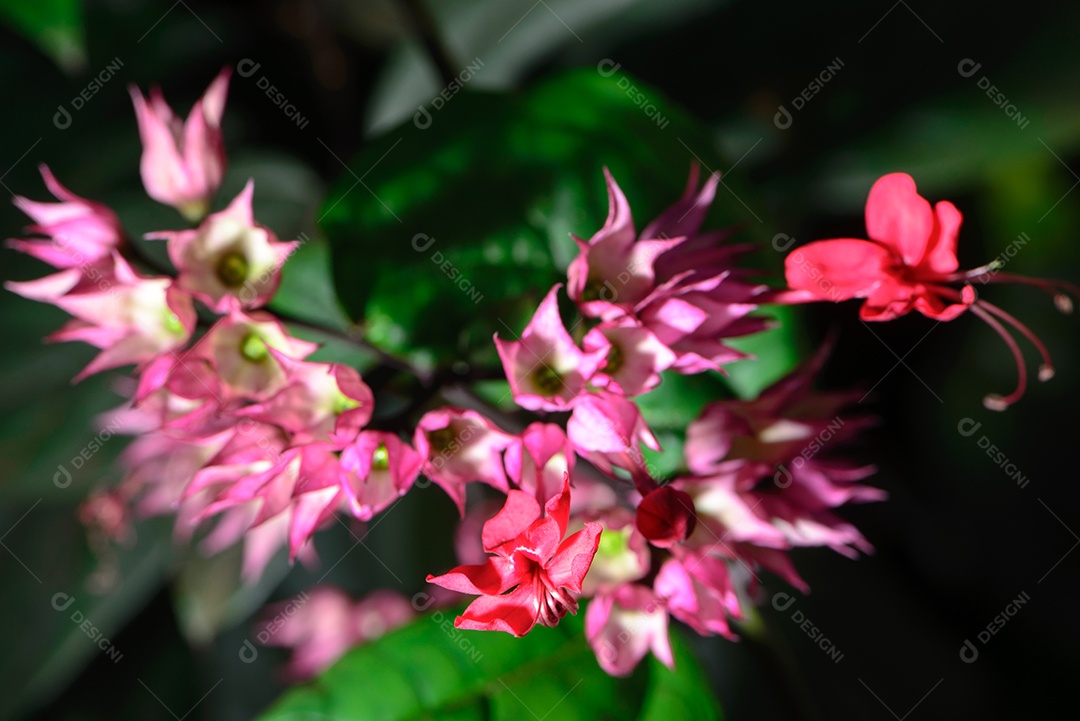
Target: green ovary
[[232, 269], [613, 544], [343, 403], [253, 348], [173, 326], [547, 381], [380, 459]]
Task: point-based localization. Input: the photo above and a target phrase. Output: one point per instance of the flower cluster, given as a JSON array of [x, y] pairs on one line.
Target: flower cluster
[[245, 437], [232, 419], [758, 478]]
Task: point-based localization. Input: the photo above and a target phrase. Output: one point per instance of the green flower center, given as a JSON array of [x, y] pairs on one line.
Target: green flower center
[[547, 381], [380, 459], [613, 543], [173, 326], [343, 403], [232, 269], [254, 349]]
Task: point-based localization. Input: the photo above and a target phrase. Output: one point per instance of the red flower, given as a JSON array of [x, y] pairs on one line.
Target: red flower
[[533, 576], [912, 250], [906, 265]]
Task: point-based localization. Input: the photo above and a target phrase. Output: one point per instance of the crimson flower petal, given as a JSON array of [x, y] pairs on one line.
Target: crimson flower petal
[[899, 217], [520, 510], [571, 562], [838, 269], [485, 578], [514, 612], [941, 255]]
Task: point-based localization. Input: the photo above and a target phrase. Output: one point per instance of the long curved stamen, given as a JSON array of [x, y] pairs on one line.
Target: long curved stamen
[[1046, 370], [1061, 291], [974, 273], [993, 401]]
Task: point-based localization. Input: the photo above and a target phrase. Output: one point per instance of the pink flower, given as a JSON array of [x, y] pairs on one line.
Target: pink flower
[[461, 446], [674, 283], [693, 318], [537, 461], [906, 265], [130, 318], [785, 435], [303, 482], [320, 625], [159, 466], [614, 270], [609, 430], [320, 402], [533, 575], [236, 350], [623, 554], [700, 255], [546, 369], [182, 163], [634, 357], [377, 469], [762, 471], [80, 231], [697, 590], [624, 624], [229, 259]]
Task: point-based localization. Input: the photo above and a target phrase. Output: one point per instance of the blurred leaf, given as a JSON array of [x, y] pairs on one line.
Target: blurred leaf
[[443, 236], [102, 593], [431, 670], [679, 398], [498, 47], [210, 595], [55, 26], [775, 353], [678, 694]]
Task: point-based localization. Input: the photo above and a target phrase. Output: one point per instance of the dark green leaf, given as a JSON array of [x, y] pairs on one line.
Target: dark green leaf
[[429, 670], [55, 26], [445, 236]]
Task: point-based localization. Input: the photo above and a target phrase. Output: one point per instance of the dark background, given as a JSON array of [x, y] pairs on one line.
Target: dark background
[[957, 540]]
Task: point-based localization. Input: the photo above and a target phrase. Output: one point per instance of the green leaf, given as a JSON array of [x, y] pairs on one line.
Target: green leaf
[[678, 694], [209, 593], [80, 604], [442, 237], [430, 670], [55, 26], [775, 353]]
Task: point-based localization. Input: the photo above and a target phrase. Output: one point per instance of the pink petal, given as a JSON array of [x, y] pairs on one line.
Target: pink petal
[[623, 625]]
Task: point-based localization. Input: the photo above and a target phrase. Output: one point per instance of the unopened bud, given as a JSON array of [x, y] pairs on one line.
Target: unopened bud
[[666, 516]]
